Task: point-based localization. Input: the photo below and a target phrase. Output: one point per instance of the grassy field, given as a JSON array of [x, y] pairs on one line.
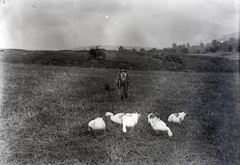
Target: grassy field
[[45, 111]]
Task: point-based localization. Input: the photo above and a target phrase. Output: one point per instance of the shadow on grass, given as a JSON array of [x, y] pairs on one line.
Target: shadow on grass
[[217, 115]]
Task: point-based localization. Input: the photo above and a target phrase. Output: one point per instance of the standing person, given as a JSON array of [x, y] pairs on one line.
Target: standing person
[[122, 82]]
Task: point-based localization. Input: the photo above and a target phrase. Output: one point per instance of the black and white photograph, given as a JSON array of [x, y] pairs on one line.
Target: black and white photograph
[[119, 82]]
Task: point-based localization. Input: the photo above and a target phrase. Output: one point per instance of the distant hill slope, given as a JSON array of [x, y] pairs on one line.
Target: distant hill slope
[[228, 36]]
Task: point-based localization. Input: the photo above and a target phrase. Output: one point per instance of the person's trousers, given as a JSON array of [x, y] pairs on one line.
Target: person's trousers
[[124, 92]]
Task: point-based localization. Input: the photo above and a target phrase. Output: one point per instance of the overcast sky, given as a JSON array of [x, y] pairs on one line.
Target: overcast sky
[[63, 24]]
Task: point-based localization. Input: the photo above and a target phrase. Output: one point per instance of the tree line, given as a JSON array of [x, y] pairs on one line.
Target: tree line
[[215, 46], [231, 45], [222, 46]]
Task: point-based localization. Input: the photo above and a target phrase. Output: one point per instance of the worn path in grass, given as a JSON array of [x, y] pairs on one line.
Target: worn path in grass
[[46, 110]]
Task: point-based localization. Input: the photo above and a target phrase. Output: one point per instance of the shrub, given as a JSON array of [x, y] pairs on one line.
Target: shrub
[[97, 53], [184, 50], [230, 48], [177, 58]]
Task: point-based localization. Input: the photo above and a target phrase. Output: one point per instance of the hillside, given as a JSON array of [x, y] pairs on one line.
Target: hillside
[[228, 36], [131, 60]]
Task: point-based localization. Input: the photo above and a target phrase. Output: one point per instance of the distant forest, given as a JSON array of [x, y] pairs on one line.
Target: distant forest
[[222, 46], [231, 45]]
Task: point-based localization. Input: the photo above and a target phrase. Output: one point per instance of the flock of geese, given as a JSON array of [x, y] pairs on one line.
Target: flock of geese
[[131, 119]]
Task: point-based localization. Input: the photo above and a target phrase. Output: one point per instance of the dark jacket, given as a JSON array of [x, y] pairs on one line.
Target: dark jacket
[[122, 79]]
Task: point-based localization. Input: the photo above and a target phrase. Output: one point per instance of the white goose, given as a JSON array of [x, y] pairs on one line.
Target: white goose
[[158, 125], [177, 117], [117, 118], [129, 120], [97, 124]]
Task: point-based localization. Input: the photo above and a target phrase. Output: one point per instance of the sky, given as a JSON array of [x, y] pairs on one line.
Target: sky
[[66, 24]]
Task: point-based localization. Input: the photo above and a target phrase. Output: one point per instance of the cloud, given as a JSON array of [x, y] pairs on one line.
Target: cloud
[[61, 24]]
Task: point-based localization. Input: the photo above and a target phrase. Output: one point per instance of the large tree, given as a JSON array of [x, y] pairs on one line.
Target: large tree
[[121, 49]]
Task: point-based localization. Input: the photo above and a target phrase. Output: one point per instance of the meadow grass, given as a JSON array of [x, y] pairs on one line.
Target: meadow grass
[[45, 111]]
